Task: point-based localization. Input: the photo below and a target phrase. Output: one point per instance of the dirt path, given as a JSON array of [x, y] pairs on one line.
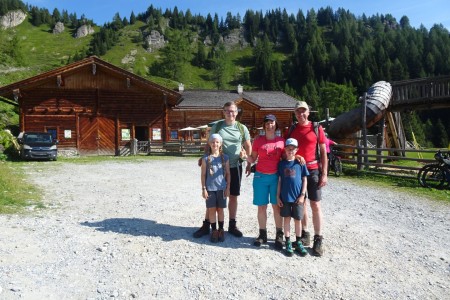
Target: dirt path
[[124, 230]]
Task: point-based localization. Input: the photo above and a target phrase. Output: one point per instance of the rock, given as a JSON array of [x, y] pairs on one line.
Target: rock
[[154, 41], [83, 31], [12, 19], [59, 28]]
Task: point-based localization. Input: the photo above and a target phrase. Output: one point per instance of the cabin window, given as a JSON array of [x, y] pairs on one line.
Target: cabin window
[[67, 134], [53, 131], [156, 134], [174, 134]]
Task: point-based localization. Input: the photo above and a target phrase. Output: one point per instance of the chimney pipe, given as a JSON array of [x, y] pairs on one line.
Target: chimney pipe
[[180, 87], [240, 89]]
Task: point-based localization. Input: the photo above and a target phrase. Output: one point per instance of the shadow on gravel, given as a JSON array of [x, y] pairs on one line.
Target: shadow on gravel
[[143, 227]]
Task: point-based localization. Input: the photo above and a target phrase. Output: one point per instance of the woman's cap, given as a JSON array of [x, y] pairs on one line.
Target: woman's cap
[[215, 136], [270, 118], [291, 142]]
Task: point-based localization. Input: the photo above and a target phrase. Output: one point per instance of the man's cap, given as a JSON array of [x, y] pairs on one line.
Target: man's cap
[[215, 136], [301, 104], [291, 142], [270, 118]]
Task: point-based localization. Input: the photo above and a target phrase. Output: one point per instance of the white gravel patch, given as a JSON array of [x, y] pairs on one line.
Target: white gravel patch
[[123, 230]]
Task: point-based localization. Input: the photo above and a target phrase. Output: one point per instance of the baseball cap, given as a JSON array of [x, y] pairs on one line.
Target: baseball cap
[[270, 118], [291, 142], [301, 104], [215, 136]]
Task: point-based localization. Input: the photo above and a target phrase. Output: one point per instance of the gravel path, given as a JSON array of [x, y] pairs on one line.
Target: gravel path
[[124, 230]]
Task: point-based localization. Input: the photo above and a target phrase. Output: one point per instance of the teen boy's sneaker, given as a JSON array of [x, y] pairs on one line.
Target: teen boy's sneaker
[[289, 251], [204, 230], [261, 239], [279, 240], [317, 249], [300, 249], [221, 235], [306, 238], [215, 236]]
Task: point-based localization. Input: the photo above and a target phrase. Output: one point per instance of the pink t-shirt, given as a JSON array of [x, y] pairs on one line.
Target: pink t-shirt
[[269, 153], [329, 142]]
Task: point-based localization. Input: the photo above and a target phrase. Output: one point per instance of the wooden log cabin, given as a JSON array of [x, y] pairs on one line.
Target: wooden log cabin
[[95, 108]]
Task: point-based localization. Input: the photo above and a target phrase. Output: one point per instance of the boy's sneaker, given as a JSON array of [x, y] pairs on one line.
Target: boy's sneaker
[[300, 249], [289, 250], [317, 249], [221, 235], [215, 236], [279, 240], [204, 230], [306, 238]]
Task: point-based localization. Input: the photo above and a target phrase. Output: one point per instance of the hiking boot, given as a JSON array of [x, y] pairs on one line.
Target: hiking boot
[[215, 236], [261, 239], [233, 229], [279, 240], [221, 235], [289, 251], [317, 247], [306, 238], [204, 230], [300, 249]]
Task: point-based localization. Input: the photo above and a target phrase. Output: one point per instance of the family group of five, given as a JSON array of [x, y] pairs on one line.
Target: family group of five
[[288, 171]]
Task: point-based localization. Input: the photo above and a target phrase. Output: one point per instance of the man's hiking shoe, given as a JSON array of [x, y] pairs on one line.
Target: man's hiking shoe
[[261, 239], [234, 230], [306, 238], [204, 230], [289, 251], [317, 249], [215, 236], [279, 240], [300, 249], [221, 235]]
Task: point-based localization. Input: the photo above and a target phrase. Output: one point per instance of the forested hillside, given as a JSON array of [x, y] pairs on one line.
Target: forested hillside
[[326, 57]]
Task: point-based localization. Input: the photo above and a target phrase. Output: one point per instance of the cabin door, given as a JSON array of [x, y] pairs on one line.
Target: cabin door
[[97, 135]]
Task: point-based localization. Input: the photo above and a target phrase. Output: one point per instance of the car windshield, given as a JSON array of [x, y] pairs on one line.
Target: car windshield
[[38, 138]]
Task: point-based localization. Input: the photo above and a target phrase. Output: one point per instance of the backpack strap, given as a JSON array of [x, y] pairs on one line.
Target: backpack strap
[[316, 131]]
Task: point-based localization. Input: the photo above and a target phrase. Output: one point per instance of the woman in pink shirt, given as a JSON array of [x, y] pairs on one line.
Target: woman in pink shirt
[[266, 152]]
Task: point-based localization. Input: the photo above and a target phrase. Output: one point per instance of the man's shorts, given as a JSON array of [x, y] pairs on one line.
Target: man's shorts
[[314, 191], [290, 209], [216, 200], [236, 176], [265, 188]]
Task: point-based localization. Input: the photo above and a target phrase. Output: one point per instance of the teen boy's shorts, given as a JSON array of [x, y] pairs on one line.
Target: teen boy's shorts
[[290, 209], [235, 184], [265, 188], [216, 199]]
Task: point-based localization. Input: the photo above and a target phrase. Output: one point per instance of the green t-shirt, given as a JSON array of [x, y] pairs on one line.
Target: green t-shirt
[[232, 139]]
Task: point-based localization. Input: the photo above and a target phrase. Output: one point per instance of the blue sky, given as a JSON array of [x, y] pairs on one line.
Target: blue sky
[[426, 12]]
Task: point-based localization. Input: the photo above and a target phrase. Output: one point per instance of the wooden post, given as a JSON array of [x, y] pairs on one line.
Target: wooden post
[[364, 127], [380, 139]]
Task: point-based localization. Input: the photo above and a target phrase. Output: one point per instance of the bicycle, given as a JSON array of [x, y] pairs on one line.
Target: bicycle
[[436, 175], [335, 162]]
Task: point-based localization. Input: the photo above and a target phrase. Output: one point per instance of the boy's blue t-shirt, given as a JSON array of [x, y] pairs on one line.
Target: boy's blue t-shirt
[[215, 181], [291, 173]]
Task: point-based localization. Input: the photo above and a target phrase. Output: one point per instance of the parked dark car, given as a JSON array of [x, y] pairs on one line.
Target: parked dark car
[[37, 145]]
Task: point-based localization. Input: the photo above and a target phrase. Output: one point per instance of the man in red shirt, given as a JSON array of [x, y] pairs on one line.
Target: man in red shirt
[[307, 139]]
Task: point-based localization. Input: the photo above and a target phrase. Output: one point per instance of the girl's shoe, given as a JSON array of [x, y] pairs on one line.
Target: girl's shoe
[[215, 236], [221, 237]]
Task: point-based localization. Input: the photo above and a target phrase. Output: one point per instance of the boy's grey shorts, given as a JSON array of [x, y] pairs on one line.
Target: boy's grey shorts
[[216, 199], [290, 209]]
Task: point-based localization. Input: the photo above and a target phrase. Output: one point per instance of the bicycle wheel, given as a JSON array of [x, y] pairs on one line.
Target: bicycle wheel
[[433, 177], [337, 166], [421, 171]]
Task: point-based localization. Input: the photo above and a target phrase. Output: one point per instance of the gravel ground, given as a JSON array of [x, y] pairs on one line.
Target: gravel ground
[[124, 230]]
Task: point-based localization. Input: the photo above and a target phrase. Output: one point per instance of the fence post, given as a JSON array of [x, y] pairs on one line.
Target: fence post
[[134, 146], [359, 165]]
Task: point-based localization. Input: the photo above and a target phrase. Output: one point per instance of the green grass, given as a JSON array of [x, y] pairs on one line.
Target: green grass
[[16, 193], [404, 185]]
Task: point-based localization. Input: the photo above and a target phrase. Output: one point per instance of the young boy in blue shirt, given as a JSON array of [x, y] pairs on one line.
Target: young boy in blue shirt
[[291, 195]]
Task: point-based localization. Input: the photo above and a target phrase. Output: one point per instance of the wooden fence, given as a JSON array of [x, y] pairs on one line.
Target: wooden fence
[[167, 148], [384, 160]]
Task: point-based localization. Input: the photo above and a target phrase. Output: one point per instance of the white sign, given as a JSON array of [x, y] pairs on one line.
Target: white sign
[[67, 134]]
